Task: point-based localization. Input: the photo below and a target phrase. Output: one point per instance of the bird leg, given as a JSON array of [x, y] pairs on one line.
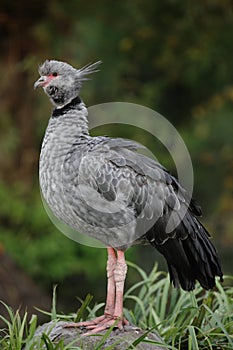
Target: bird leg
[[113, 312], [119, 277], [111, 265]]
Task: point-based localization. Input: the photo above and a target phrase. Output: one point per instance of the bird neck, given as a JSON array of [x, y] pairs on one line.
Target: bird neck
[[72, 118], [73, 104], [66, 126]]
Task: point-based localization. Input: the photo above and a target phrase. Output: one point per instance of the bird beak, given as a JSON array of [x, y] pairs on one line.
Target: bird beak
[[40, 82]]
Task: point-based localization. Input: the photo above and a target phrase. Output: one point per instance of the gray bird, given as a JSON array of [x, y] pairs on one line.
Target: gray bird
[[103, 188]]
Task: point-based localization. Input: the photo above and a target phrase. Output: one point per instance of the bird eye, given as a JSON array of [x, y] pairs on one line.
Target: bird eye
[[54, 74]]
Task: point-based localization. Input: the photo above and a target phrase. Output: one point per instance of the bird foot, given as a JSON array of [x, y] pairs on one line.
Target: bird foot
[[100, 324]]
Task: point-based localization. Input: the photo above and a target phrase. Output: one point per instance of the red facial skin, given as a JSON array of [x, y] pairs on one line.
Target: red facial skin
[[48, 79], [44, 80]]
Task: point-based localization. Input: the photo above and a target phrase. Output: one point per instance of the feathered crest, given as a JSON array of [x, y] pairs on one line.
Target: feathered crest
[[51, 66], [88, 69]]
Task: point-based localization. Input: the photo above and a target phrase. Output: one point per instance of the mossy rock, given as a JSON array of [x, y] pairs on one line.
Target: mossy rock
[[57, 331]]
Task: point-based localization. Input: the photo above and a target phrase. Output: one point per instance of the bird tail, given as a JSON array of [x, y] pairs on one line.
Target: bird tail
[[190, 255]]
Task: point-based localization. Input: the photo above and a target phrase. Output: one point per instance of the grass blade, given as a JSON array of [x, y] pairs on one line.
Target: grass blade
[[83, 307], [54, 304], [193, 345]]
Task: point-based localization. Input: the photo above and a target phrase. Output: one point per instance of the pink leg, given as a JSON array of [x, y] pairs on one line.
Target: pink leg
[[111, 265], [120, 275], [116, 273]]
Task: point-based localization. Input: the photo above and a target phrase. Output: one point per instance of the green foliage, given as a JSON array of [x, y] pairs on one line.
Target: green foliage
[[172, 56], [199, 317], [13, 336], [25, 226], [185, 321], [211, 148]]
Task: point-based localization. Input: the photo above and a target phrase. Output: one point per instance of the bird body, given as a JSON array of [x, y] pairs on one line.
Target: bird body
[[104, 188]]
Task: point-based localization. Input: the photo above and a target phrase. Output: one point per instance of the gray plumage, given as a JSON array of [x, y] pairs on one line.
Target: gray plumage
[[103, 188]]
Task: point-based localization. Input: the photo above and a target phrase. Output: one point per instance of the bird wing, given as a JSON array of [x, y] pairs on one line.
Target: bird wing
[[124, 185], [129, 197], [172, 226]]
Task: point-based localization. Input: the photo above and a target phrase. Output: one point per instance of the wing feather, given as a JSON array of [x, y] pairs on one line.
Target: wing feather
[[135, 187]]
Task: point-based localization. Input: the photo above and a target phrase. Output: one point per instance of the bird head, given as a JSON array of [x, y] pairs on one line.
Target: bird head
[[61, 82]]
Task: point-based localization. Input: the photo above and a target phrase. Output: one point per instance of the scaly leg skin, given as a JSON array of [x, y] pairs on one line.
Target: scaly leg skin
[[116, 273], [110, 300]]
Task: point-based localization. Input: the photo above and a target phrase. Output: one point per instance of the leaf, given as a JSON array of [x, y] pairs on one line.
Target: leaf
[[83, 307], [54, 303]]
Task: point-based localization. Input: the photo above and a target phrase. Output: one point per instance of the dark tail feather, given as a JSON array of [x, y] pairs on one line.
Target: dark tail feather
[[191, 258]]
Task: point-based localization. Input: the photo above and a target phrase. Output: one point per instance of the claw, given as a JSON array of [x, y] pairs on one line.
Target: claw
[[99, 324]]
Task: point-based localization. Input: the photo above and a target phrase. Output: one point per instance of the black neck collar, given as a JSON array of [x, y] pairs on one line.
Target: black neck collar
[[57, 112]]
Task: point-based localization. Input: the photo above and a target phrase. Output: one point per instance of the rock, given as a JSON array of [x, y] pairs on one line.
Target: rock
[[119, 339]]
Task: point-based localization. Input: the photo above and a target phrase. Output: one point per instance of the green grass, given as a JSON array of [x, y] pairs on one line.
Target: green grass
[[185, 321], [195, 320]]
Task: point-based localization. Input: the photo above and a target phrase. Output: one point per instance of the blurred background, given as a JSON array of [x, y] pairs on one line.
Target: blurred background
[[172, 56]]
